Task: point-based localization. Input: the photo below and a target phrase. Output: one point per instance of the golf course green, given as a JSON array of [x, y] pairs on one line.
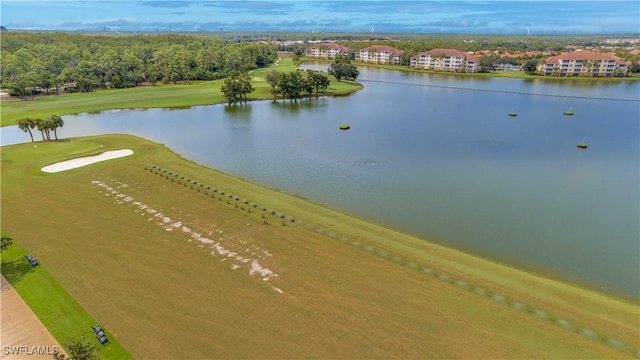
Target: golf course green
[[171, 268]]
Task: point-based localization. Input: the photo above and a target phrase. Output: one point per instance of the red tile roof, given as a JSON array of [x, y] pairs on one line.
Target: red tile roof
[[447, 52], [383, 48], [585, 55], [330, 46], [581, 55], [552, 60]]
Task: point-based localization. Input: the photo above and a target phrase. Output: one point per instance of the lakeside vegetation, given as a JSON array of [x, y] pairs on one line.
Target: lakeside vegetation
[[165, 294], [159, 96], [208, 92]]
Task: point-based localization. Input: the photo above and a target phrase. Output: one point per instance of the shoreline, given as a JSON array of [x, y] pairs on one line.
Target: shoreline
[[197, 93], [537, 272], [494, 74], [448, 271], [189, 95]]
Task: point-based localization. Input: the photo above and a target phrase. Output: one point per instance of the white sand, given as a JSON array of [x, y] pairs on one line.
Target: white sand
[[79, 162]]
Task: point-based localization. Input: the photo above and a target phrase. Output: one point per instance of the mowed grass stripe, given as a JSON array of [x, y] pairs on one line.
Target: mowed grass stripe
[[166, 296]]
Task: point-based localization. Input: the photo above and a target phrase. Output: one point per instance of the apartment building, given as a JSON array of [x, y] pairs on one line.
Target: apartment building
[[583, 63], [327, 51], [444, 60], [379, 54]]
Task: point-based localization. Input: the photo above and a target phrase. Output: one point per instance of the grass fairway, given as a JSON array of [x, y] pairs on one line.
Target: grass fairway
[[176, 272], [59, 312], [159, 96]]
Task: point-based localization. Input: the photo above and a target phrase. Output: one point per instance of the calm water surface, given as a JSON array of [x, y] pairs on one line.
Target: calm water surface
[[438, 157]]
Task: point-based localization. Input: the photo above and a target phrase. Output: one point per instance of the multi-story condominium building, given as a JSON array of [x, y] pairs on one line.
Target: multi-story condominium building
[[379, 54], [444, 60], [327, 51], [583, 63]]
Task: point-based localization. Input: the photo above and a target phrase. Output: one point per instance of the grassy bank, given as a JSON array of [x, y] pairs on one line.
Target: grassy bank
[[176, 270], [58, 311], [159, 96]]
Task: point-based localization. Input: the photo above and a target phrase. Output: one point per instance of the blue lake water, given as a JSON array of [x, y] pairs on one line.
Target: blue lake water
[[438, 157]]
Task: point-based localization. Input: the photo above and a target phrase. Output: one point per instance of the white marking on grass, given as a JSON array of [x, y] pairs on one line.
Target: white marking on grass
[[264, 272], [217, 249]]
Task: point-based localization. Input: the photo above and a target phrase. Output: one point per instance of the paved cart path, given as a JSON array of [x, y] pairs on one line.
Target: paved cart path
[[22, 334]]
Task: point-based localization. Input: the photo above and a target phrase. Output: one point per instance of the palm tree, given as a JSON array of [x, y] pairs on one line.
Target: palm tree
[[56, 122], [44, 126], [26, 125]]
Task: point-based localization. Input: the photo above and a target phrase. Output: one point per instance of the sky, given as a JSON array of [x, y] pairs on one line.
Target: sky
[[536, 17]]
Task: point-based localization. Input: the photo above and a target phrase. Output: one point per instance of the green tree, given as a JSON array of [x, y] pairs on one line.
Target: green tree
[[15, 67], [233, 60], [272, 78], [44, 126], [341, 58], [236, 87], [85, 77], [343, 71], [152, 74], [487, 63], [55, 122], [307, 87], [110, 65], [291, 85], [297, 59], [530, 66], [132, 68], [298, 49], [5, 242], [81, 349], [26, 125], [317, 80]]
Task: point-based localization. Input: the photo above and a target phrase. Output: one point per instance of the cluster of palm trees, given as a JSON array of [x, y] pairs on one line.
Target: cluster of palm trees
[[45, 126]]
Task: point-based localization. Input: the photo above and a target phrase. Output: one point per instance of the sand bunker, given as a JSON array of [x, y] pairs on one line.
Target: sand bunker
[[79, 162]]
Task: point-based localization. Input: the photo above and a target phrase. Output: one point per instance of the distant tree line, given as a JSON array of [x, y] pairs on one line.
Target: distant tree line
[[52, 62]]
